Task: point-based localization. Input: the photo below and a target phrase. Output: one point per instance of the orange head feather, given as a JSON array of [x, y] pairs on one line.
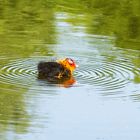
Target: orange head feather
[[68, 63]]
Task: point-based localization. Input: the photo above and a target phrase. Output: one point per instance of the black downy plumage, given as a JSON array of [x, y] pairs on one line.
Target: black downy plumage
[[52, 71]]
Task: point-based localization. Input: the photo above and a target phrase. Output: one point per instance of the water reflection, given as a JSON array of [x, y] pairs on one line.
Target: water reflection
[[107, 18], [26, 29], [104, 93], [13, 114], [66, 83]]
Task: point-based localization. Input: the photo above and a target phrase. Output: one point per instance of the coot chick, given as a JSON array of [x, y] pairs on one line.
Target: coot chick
[[59, 70]]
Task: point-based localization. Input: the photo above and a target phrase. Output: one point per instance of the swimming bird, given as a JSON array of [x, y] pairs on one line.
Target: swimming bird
[[58, 70]]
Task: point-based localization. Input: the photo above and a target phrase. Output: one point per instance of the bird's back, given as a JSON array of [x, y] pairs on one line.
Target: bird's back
[[52, 70]]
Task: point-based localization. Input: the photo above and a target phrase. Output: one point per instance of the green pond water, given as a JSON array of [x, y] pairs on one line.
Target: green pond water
[[102, 102]]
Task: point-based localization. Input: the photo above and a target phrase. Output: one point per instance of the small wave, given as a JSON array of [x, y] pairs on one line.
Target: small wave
[[103, 75]]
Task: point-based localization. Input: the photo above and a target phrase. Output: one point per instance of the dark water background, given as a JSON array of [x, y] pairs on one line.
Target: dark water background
[[104, 39]]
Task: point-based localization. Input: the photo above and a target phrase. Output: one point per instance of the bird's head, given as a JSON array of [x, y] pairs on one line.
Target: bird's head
[[69, 64]]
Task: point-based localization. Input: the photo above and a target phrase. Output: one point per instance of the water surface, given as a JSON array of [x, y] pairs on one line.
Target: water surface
[[104, 101]]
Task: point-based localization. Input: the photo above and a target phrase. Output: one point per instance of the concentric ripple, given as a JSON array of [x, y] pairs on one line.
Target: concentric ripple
[[104, 76], [107, 76], [19, 72]]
